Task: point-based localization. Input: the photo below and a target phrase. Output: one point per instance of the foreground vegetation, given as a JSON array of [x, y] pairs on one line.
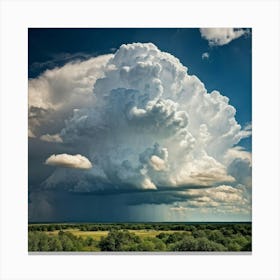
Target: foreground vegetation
[[140, 237]]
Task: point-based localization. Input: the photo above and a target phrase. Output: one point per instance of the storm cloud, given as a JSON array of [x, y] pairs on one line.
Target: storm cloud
[[146, 124]]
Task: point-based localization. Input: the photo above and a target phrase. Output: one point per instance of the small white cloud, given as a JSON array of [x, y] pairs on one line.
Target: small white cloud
[[205, 56], [147, 184], [51, 138], [70, 161], [221, 36]]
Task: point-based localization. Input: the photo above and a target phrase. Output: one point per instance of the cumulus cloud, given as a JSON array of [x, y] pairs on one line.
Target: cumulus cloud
[[53, 95], [218, 194], [238, 152], [205, 56], [224, 198], [145, 123], [157, 163], [69, 161], [239, 165], [221, 199], [221, 36]]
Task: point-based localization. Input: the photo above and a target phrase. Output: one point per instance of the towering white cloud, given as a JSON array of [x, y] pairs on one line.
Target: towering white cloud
[[146, 124], [221, 36]]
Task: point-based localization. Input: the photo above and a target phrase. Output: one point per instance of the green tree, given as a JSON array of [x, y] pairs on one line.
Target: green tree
[[43, 242], [151, 244], [55, 244], [247, 247], [197, 244], [203, 244], [199, 233], [187, 244], [233, 246], [33, 241], [118, 241], [146, 245]]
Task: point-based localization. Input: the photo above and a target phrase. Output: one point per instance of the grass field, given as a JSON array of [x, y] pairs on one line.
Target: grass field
[[98, 234]]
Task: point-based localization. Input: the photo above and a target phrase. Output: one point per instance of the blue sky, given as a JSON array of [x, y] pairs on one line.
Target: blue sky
[[62, 76]]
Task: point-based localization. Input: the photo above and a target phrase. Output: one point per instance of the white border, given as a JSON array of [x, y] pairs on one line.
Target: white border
[[17, 16]]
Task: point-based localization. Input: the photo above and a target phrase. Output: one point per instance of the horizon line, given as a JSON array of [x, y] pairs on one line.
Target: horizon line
[[142, 222]]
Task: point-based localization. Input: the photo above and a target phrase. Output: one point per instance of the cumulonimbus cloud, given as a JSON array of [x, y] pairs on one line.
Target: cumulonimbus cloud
[[221, 36], [142, 119], [54, 94], [69, 161]]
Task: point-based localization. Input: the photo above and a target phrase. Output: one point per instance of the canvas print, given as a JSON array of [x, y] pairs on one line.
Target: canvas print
[[139, 139]]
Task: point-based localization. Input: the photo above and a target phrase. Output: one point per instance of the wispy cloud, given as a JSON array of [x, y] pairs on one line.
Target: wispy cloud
[[58, 60], [51, 138]]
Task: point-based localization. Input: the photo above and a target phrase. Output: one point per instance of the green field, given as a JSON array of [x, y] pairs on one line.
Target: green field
[[98, 234], [140, 237], [94, 234]]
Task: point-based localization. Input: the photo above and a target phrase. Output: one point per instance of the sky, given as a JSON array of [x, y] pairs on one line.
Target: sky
[[139, 125]]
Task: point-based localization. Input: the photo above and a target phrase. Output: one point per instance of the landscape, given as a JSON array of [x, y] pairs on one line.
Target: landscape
[[139, 140], [140, 237]]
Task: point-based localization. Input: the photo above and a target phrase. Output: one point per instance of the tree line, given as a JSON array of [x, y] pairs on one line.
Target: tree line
[[243, 228], [201, 237]]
